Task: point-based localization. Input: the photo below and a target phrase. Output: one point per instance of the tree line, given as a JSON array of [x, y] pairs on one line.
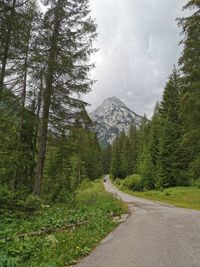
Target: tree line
[[166, 150], [44, 71]]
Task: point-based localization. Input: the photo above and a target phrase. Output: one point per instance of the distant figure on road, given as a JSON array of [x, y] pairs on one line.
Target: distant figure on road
[[105, 179]]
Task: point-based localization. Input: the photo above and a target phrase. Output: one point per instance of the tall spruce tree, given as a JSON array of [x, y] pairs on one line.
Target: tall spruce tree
[[190, 92], [15, 28], [115, 168], [69, 34], [22, 86], [123, 143], [147, 150], [8, 21], [133, 149], [170, 161], [125, 157]]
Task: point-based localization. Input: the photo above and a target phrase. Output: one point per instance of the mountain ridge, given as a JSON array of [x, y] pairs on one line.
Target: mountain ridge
[[111, 118]]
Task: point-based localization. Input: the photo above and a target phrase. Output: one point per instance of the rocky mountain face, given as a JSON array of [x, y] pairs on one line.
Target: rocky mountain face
[[111, 118]]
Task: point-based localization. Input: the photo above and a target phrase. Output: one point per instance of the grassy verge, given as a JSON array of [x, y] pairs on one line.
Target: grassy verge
[[92, 213], [184, 197]]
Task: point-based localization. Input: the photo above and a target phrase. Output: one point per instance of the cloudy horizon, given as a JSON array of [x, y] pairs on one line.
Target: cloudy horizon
[[138, 47]]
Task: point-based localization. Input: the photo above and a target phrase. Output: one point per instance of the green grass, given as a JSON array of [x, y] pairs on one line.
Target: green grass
[[61, 248], [184, 197]]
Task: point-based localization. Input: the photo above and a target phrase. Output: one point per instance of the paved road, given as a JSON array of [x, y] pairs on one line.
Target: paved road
[[154, 235]]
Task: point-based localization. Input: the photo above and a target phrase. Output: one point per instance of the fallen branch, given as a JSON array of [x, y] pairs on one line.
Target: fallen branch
[[45, 231]]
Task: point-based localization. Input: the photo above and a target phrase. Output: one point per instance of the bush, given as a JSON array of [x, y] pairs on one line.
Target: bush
[[30, 204], [133, 182], [85, 184], [120, 182], [20, 200], [6, 197], [194, 170], [197, 183]]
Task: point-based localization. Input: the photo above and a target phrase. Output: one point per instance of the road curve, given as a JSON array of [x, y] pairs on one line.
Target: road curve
[[154, 235]]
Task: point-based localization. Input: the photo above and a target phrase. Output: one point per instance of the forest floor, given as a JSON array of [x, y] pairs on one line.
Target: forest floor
[[59, 235], [183, 197]]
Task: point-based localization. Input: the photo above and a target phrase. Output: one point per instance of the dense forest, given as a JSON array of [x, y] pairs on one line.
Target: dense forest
[[165, 151], [44, 71], [47, 139], [48, 144]]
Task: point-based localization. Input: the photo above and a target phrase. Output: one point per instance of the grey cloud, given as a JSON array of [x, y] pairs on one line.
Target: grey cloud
[[138, 42]]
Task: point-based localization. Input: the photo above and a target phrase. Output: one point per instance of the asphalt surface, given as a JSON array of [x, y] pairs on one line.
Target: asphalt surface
[[154, 235]]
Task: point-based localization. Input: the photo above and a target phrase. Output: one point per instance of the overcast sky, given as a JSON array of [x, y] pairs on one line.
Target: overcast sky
[[138, 42]]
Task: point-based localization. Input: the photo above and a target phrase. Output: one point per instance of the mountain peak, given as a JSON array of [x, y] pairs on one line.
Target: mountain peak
[[111, 118], [115, 100], [108, 104]]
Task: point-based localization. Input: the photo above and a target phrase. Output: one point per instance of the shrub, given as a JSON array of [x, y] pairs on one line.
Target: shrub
[[30, 204], [133, 182], [20, 200], [194, 171], [6, 197], [197, 183], [85, 184], [120, 182]]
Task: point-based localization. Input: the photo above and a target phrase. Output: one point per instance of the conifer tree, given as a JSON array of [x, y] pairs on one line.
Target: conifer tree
[[115, 169], [133, 149], [17, 60], [123, 144], [125, 157], [147, 155], [8, 15], [23, 84], [170, 165], [106, 156], [15, 27], [190, 93], [69, 33]]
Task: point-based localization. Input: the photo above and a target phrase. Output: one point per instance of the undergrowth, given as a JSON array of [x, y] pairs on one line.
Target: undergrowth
[[58, 235]]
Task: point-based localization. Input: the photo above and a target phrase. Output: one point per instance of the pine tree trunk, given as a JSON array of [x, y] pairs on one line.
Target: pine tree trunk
[[24, 92], [23, 101], [44, 130], [37, 121], [46, 104], [6, 49]]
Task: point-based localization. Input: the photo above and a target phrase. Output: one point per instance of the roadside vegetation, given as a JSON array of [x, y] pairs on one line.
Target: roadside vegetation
[[42, 234], [184, 197]]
